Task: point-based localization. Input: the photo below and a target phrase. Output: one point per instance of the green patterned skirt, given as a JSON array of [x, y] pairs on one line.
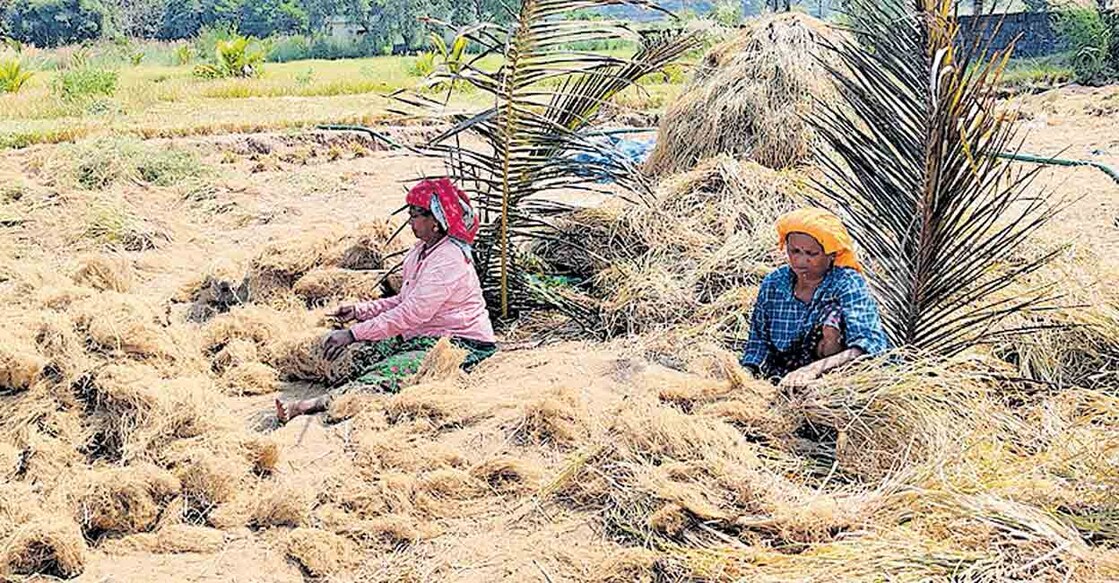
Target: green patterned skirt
[[384, 364]]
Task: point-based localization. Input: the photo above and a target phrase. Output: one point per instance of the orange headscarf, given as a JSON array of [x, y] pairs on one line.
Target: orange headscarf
[[825, 228]]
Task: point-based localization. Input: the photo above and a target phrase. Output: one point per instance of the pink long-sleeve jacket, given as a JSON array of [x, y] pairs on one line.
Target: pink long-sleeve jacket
[[441, 297]]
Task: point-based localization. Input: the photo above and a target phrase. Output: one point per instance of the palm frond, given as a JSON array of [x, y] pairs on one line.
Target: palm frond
[[544, 97], [913, 167]]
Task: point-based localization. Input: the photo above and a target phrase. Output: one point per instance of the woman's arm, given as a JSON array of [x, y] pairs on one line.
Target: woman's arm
[[802, 376], [757, 347], [433, 285], [369, 310]]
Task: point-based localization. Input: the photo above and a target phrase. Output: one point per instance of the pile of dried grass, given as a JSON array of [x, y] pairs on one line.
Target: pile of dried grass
[[880, 417], [280, 265], [321, 286], [750, 98], [19, 366], [135, 412], [253, 347], [123, 500], [320, 553], [105, 272], [692, 257], [123, 323], [1076, 344], [175, 538], [50, 547]]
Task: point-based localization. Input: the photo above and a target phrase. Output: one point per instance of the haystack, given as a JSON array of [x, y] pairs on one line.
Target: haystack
[[750, 98]]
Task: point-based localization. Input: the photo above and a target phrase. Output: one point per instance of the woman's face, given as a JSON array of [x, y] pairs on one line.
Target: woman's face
[[806, 256], [424, 225]]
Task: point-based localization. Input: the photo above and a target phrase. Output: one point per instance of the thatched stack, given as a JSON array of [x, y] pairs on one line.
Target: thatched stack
[[749, 99]]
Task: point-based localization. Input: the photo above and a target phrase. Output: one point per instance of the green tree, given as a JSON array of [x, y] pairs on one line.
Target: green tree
[[50, 23], [264, 18], [727, 12], [181, 19], [140, 18]]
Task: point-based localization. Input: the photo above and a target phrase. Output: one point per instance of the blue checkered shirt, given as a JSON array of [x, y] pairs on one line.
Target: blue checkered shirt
[[780, 321]]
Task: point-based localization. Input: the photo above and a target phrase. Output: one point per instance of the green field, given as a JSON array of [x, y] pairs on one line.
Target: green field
[[164, 100]]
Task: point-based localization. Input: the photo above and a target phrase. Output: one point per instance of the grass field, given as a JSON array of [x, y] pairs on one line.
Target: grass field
[[166, 100]]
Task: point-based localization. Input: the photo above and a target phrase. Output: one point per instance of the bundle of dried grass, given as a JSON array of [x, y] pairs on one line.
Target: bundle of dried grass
[[320, 553], [123, 500], [886, 416], [279, 265], [47, 547], [60, 343], [555, 418], [251, 378], [123, 323], [348, 405], [442, 405], [236, 352], [506, 474], [324, 285], [176, 538], [300, 356], [259, 325], [750, 98], [443, 362], [208, 477], [20, 367], [136, 413], [269, 504], [105, 272]]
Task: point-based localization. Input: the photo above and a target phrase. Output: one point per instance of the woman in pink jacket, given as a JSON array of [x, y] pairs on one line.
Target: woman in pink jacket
[[441, 296]]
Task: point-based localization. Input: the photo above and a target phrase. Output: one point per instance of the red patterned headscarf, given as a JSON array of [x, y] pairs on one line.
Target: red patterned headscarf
[[451, 208]]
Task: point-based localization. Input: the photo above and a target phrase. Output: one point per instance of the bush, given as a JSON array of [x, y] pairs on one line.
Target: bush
[[12, 76], [85, 82], [423, 65], [1089, 39], [50, 23], [285, 49], [238, 56]]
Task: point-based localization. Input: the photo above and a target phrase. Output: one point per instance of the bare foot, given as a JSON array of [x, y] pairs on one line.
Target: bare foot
[[282, 413]]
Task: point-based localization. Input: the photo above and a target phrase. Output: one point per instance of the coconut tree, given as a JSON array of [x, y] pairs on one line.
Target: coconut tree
[[545, 93], [913, 169]]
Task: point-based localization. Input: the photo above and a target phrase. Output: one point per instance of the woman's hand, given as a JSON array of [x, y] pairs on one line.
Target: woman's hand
[[343, 313], [803, 376], [336, 342]]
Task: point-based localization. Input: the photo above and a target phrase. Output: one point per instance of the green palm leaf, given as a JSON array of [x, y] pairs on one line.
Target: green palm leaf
[[912, 168], [544, 96]]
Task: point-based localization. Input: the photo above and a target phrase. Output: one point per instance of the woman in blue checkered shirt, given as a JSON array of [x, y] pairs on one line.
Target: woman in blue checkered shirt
[[816, 313]]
